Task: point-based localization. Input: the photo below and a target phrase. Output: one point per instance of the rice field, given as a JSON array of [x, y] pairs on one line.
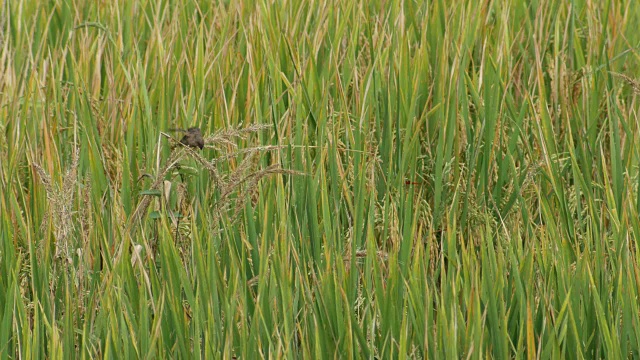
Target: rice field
[[378, 180]]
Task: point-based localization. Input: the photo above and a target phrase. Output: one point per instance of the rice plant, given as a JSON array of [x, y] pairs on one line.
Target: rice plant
[[381, 179]]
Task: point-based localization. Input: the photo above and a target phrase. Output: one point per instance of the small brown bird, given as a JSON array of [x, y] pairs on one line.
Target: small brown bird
[[193, 137]]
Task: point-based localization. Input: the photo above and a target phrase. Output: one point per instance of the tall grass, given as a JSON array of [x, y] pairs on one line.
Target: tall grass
[[437, 179]]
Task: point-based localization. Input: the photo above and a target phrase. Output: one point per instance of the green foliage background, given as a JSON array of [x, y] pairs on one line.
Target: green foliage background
[[470, 188]]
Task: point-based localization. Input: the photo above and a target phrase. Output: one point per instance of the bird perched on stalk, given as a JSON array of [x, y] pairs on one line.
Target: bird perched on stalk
[[192, 137]]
